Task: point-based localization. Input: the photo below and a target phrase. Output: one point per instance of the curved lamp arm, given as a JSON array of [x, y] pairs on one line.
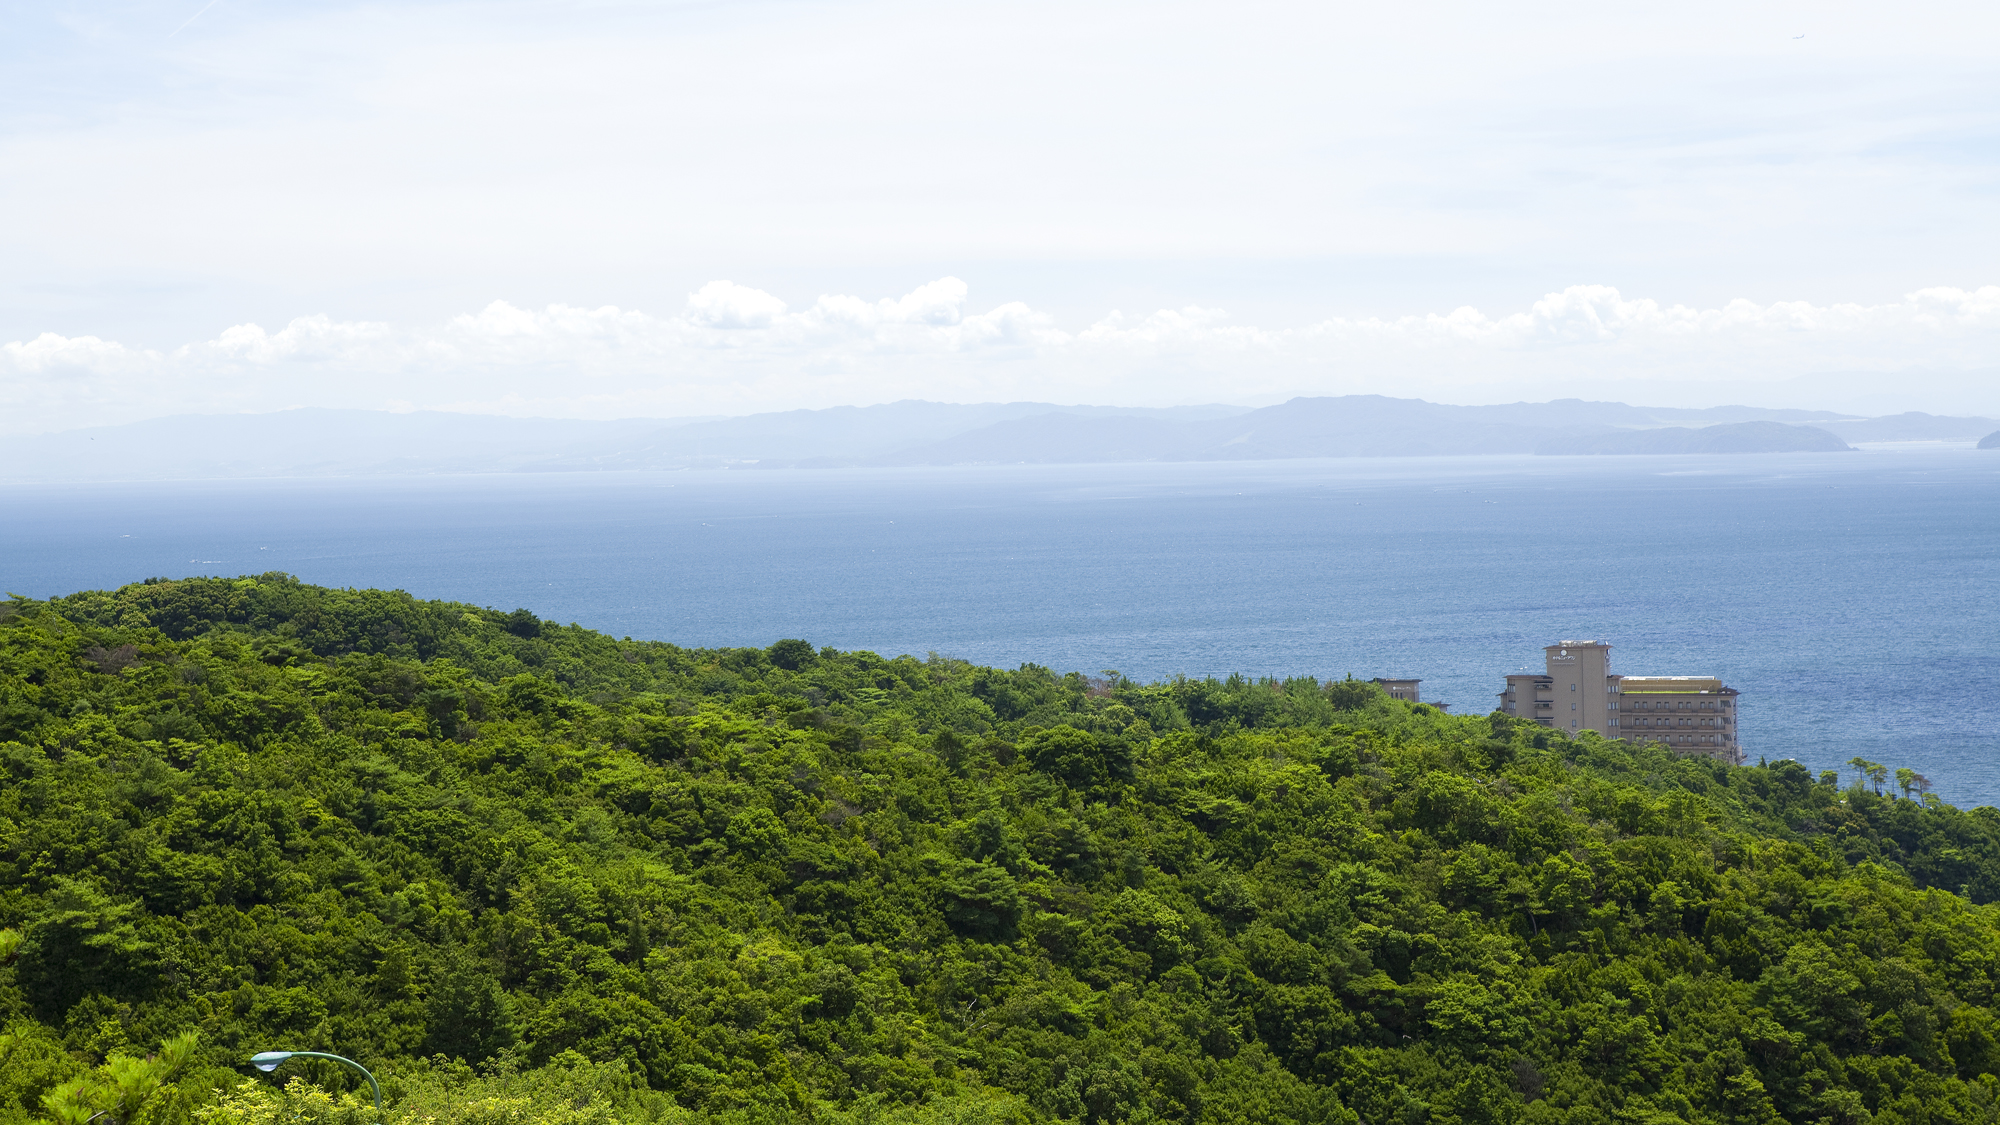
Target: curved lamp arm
[[267, 1061]]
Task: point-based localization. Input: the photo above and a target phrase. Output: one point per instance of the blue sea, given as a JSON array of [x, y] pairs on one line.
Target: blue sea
[[1854, 599]]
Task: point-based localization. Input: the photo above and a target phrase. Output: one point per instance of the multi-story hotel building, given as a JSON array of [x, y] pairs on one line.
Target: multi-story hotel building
[[1691, 714]]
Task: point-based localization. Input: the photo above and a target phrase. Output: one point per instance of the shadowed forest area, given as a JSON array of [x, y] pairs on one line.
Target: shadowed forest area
[[531, 874]]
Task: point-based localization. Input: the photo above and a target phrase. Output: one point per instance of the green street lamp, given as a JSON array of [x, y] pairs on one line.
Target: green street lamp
[[267, 1061]]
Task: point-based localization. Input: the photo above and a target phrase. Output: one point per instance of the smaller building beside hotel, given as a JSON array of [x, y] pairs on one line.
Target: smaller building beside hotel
[[1690, 714], [1400, 689]]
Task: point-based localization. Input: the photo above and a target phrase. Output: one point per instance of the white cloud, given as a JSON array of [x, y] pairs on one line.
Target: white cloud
[[49, 353], [725, 304], [939, 303], [734, 349], [1599, 313], [306, 338], [399, 166], [503, 334], [455, 151], [1170, 328]]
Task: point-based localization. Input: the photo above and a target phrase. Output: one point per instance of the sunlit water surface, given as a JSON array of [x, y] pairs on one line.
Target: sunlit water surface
[[1850, 597]]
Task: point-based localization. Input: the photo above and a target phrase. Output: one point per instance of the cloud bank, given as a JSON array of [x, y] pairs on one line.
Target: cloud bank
[[733, 348]]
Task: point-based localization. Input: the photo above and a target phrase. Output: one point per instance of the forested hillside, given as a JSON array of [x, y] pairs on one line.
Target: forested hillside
[[531, 873]]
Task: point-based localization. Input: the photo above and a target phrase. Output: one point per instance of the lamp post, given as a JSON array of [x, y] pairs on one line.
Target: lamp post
[[267, 1061]]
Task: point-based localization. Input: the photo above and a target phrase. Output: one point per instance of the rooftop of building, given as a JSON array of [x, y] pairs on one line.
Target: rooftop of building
[[1672, 685]]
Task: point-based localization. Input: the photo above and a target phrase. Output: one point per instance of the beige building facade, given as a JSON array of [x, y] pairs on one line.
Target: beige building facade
[[1579, 692], [1400, 689]]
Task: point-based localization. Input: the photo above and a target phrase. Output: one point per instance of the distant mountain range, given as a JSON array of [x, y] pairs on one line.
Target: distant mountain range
[[313, 442]]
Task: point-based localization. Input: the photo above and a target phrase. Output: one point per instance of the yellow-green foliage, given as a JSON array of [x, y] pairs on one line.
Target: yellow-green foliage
[[473, 1102], [298, 1103], [127, 1090], [302, 1103], [532, 873]]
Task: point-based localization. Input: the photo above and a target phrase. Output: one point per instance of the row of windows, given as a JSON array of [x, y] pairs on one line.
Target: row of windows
[[1640, 721], [1687, 739]]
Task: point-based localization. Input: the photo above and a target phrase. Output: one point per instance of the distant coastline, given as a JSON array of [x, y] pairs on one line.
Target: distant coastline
[[331, 443]]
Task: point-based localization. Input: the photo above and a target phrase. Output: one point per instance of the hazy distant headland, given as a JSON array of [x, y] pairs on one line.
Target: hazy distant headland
[[316, 442]]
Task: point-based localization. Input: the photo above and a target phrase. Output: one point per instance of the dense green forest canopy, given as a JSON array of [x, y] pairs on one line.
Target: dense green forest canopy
[[533, 873]]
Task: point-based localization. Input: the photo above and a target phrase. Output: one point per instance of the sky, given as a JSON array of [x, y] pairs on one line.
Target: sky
[[669, 209]]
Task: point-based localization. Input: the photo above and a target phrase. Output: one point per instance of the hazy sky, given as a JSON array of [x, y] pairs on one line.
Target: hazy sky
[[606, 209]]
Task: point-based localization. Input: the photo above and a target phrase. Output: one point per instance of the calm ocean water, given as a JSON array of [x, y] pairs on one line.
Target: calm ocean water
[[1853, 598]]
